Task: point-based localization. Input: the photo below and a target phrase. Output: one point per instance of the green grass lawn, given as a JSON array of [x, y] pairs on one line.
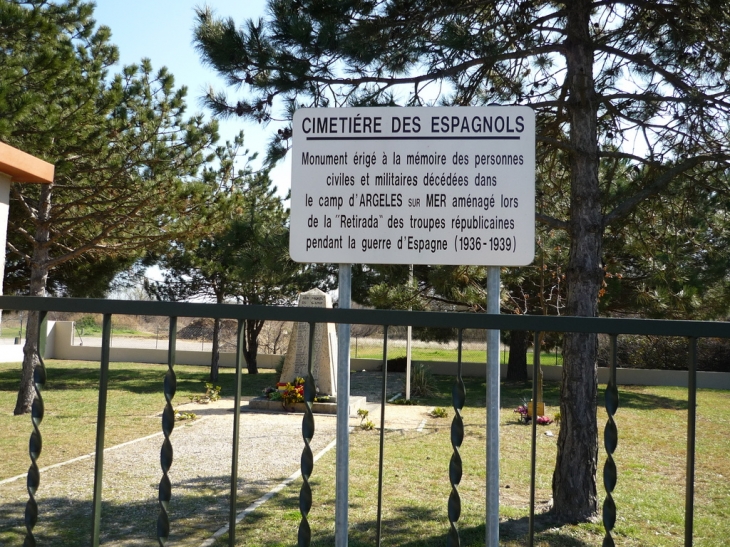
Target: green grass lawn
[[650, 461], [117, 330], [649, 495]]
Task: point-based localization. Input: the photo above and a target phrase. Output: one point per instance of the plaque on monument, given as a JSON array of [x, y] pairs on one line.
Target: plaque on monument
[[324, 356]]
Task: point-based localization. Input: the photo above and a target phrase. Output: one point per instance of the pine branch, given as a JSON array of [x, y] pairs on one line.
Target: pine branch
[[660, 183]]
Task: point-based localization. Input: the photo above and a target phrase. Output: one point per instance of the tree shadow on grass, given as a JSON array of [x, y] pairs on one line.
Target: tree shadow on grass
[[139, 380], [547, 532], [648, 401], [513, 394], [199, 507], [195, 512], [397, 531], [86, 376]]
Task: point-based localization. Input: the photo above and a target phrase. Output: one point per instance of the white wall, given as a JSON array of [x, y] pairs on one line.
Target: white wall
[[624, 376], [4, 209], [58, 346]]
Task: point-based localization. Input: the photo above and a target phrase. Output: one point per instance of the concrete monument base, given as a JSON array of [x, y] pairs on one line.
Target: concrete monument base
[[329, 407]]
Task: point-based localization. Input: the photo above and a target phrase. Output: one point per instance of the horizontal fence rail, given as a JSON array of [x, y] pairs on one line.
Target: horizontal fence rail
[[690, 330], [604, 325]]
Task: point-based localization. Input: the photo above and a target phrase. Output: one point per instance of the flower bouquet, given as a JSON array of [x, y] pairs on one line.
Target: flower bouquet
[[524, 418]]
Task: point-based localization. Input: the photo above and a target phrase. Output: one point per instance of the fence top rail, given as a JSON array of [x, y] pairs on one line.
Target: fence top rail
[[545, 323]]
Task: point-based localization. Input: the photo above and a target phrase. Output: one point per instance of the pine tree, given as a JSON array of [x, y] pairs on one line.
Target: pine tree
[[126, 157], [644, 82], [243, 255]]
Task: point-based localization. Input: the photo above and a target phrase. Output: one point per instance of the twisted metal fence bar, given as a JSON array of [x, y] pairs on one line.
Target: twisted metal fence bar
[[610, 442], [307, 461], [533, 437], [691, 439], [36, 440], [379, 524], [458, 398], [240, 332], [168, 424], [106, 330]]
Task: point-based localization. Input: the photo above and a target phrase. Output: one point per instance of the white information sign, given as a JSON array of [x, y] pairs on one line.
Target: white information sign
[[393, 185]]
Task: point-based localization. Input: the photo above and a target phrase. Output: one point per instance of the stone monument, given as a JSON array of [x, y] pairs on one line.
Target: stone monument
[[324, 356]]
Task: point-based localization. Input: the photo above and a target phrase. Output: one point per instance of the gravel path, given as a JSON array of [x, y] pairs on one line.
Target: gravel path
[[270, 451]]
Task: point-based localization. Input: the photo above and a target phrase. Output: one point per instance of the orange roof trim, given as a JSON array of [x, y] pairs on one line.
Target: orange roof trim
[[22, 167]]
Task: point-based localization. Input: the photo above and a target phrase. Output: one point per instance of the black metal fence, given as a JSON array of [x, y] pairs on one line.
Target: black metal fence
[[691, 330]]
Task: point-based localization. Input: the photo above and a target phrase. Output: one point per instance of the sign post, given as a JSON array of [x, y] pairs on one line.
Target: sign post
[[383, 185], [493, 405], [342, 450]]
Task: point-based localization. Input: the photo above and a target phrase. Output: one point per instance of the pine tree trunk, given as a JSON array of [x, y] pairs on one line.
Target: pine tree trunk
[[215, 356], [574, 480], [38, 277], [250, 352], [517, 363]]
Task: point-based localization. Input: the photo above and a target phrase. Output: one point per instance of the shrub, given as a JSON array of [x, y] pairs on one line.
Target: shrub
[[665, 353], [439, 412], [714, 354], [181, 415], [86, 323], [365, 424], [422, 384], [212, 394]]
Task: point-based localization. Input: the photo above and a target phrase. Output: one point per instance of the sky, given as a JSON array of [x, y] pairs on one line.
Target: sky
[[162, 30]]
